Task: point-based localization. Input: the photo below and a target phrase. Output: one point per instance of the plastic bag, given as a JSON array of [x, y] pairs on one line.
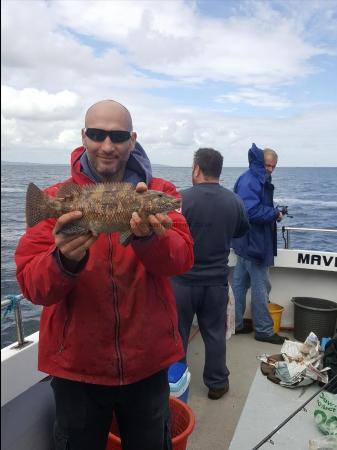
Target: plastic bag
[[230, 323], [325, 443], [311, 345], [326, 412]]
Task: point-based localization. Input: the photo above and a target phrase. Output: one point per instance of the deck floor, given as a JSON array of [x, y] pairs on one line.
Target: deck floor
[[216, 419]]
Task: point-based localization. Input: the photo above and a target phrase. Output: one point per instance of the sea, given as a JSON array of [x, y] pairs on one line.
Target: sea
[[309, 192]]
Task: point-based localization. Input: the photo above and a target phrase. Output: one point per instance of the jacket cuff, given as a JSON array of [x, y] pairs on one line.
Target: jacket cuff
[[143, 238], [72, 273]]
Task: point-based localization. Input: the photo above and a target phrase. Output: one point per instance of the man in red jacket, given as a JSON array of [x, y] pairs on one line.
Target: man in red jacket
[[108, 329]]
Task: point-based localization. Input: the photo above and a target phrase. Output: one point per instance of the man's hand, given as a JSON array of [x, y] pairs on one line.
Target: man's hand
[[279, 217], [72, 247], [157, 224], [141, 187]]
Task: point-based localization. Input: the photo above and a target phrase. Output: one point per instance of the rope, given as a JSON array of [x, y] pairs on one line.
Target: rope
[[14, 299]]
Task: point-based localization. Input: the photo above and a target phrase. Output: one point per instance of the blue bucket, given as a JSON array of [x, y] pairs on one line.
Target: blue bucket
[[179, 380]]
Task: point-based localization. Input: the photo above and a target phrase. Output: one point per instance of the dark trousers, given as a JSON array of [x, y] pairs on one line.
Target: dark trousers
[[209, 303], [84, 414]]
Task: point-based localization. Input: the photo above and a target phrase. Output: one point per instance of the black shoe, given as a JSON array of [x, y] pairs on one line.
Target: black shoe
[[247, 328], [273, 339], [215, 394]]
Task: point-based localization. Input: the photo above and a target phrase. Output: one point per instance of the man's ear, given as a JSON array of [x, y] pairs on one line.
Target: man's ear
[[83, 136], [133, 140], [196, 170]]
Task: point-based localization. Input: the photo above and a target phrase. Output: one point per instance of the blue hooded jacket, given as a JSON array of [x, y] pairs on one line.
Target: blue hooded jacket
[[254, 187]]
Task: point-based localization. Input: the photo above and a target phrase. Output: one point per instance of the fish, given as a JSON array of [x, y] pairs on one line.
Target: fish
[[105, 207]]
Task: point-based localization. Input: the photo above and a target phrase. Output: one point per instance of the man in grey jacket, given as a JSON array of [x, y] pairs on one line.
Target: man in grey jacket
[[214, 215]]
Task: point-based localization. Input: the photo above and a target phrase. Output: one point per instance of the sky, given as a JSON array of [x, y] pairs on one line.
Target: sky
[[193, 73]]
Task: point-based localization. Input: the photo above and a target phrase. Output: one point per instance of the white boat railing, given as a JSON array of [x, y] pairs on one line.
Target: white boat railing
[[12, 302], [286, 232]]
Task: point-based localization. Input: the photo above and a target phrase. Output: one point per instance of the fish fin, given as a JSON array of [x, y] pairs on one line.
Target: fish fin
[[35, 205], [125, 238], [75, 227], [68, 190]]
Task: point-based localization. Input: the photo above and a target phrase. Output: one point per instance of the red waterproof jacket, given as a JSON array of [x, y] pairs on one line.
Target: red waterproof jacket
[[115, 321]]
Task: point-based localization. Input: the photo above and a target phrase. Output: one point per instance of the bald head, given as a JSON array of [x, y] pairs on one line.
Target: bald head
[[270, 160], [271, 153], [108, 115]]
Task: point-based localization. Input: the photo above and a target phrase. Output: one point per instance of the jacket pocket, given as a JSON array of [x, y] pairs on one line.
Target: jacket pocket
[[63, 335], [172, 328]]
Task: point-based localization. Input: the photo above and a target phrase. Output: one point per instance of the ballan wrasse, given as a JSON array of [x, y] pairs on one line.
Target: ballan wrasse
[[105, 207]]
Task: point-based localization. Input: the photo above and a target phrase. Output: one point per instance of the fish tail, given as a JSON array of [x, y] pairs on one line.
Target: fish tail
[[36, 205]]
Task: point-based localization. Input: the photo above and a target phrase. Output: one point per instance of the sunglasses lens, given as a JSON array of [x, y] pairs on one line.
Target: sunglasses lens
[[119, 136], [95, 134], [98, 135]]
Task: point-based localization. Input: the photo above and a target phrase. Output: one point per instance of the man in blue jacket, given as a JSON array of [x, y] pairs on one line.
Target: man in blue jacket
[[256, 249]]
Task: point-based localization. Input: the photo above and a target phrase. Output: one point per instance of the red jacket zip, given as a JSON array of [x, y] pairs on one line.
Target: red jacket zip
[[117, 316]]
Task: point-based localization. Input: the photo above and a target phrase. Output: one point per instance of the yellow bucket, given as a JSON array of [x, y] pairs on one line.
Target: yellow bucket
[[276, 314]]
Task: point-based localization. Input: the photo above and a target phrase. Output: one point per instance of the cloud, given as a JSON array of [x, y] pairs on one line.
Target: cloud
[[171, 135], [47, 55], [34, 104], [167, 38], [35, 122], [174, 68], [235, 52], [255, 97], [303, 139]]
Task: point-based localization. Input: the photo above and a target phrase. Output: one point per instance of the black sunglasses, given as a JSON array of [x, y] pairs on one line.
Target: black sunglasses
[[116, 136]]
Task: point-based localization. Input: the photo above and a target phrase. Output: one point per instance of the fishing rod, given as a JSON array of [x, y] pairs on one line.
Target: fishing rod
[[267, 438]]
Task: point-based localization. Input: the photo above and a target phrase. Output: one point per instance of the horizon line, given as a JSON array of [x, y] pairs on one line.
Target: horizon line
[[155, 164]]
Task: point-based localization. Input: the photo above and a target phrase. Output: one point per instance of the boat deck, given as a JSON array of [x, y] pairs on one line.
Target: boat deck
[[216, 420], [267, 409], [251, 409]]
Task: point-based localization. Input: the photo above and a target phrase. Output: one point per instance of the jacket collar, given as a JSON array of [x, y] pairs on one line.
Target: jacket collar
[[138, 167]]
